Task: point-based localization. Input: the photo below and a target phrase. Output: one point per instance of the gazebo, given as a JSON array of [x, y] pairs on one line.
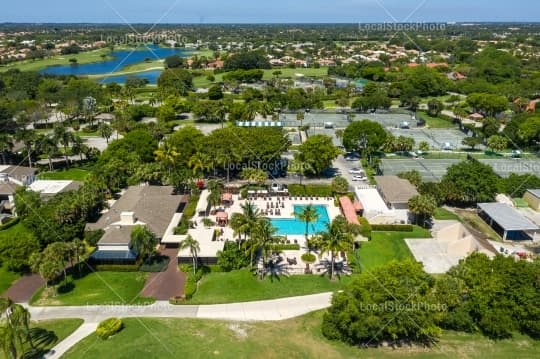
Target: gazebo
[[227, 199], [222, 218]]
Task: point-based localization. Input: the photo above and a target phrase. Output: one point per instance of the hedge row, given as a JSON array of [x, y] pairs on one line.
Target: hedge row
[[117, 267], [283, 247], [297, 190], [392, 227], [10, 223], [189, 212], [109, 327], [192, 280]]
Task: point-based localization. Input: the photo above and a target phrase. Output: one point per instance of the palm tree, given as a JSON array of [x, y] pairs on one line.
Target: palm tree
[[16, 327], [198, 163], [336, 238], [28, 138], [6, 145], [143, 241], [193, 246], [78, 147], [49, 147], [63, 137], [308, 215], [243, 223], [167, 155], [105, 131], [216, 189], [263, 236]]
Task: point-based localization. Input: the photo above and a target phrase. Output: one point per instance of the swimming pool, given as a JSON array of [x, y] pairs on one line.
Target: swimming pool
[[293, 226]]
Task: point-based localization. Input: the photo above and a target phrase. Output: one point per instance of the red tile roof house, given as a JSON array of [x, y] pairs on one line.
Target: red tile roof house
[[476, 117], [218, 64]]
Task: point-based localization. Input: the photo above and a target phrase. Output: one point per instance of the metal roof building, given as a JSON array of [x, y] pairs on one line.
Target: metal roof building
[[507, 221]]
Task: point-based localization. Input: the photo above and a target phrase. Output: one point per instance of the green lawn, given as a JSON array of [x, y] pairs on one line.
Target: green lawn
[[520, 202], [243, 286], [444, 214], [74, 174], [294, 338], [290, 73], [387, 246], [6, 278], [36, 65], [435, 122], [62, 328], [97, 288]]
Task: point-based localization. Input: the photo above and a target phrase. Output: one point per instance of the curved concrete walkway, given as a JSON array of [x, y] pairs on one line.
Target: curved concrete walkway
[[266, 310]]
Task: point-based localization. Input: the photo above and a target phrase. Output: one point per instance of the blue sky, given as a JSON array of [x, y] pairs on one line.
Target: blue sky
[[249, 11]]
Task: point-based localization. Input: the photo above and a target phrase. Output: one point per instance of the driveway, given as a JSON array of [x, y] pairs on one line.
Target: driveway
[[23, 289], [168, 284]]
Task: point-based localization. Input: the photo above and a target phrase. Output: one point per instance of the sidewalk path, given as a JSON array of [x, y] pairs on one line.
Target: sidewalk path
[[82, 332], [266, 310]]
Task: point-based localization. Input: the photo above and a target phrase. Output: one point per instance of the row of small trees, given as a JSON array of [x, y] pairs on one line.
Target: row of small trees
[[401, 304]]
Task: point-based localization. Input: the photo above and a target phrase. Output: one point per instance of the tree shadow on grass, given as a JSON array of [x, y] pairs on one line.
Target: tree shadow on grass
[[275, 268], [41, 339]]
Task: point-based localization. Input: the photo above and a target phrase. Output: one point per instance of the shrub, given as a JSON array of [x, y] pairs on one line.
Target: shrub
[[10, 223], [93, 237], [109, 327], [191, 207], [365, 227], [283, 247], [310, 190], [232, 257], [392, 227], [155, 264], [116, 267], [309, 257], [340, 185]]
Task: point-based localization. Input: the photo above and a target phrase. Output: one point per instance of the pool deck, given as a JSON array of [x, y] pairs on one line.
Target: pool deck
[[209, 248]]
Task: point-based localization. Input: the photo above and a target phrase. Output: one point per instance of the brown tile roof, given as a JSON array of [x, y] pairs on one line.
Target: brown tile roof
[[116, 235], [18, 172], [7, 189], [152, 205], [395, 189]]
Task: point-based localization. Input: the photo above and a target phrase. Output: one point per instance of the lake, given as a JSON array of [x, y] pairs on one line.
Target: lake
[[122, 58]]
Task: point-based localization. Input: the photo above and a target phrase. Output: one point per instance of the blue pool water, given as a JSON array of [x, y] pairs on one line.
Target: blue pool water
[[293, 226], [122, 58]]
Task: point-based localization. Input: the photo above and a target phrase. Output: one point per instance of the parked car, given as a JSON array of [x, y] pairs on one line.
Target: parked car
[[356, 171], [352, 156], [359, 178]]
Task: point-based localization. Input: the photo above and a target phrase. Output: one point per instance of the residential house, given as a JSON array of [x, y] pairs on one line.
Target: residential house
[[151, 206]]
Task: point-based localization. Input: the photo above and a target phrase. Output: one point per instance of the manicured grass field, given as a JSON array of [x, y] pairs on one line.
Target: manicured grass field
[[6, 278], [294, 338], [36, 65], [444, 214], [97, 288], [290, 73], [74, 174], [435, 122], [387, 246], [62, 328], [243, 286]]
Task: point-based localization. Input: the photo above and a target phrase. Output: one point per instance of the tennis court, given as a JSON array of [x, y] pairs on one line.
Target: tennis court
[[339, 120], [436, 138], [434, 169]]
